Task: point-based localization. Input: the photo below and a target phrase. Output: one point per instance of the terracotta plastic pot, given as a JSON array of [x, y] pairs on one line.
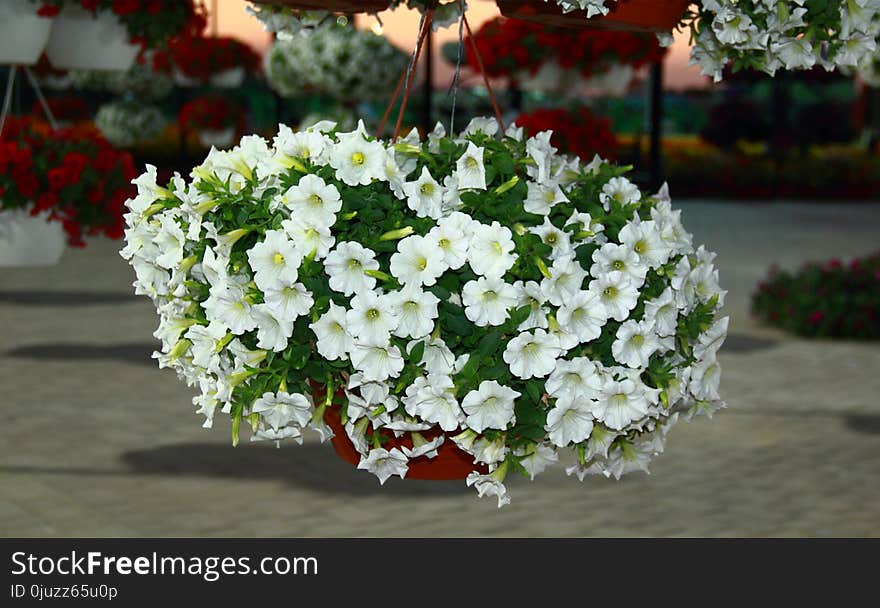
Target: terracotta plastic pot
[[29, 241], [625, 15], [450, 463], [23, 33], [81, 40]]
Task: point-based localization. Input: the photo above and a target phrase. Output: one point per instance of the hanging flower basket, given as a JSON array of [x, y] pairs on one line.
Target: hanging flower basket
[[23, 33], [478, 290], [199, 60], [627, 15], [228, 79], [29, 240], [82, 40], [214, 118]]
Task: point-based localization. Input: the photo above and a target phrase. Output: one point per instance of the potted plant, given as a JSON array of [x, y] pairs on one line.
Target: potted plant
[[562, 60], [214, 118], [23, 33], [109, 34], [340, 62], [72, 178], [199, 60], [126, 123], [475, 298]]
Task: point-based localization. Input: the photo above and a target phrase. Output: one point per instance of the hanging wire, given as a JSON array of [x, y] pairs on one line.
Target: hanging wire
[[7, 99], [479, 59], [457, 78], [426, 20], [404, 78], [41, 98]]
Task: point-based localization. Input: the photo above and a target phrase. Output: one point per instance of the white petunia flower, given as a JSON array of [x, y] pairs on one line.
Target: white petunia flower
[[230, 306], [289, 301], [646, 241], [489, 485], [384, 463], [530, 295], [205, 340], [481, 124], [334, 340], [377, 361], [583, 315], [437, 358], [711, 340], [663, 313], [309, 236], [611, 257], [635, 342], [490, 406], [281, 408], [415, 310], [487, 300], [491, 249], [275, 260], [558, 240], [620, 403], [372, 317], [619, 190], [541, 198], [570, 421], [427, 449], [470, 173], [706, 379], [347, 265], [532, 354], [273, 331], [358, 161], [566, 280], [425, 195], [432, 399], [169, 240], [313, 200], [541, 151], [538, 458], [575, 379], [418, 261], [616, 292], [450, 241]]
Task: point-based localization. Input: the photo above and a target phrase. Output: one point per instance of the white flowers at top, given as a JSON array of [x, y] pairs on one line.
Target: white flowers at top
[[469, 169], [491, 249], [616, 292], [424, 195], [415, 311], [619, 190], [334, 341], [542, 198], [620, 403], [583, 315], [490, 406], [275, 261], [313, 200], [635, 342], [532, 354], [418, 261], [372, 317], [451, 240], [566, 279], [487, 300], [347, 266], [644, 239], [376, 360], [358, 161]]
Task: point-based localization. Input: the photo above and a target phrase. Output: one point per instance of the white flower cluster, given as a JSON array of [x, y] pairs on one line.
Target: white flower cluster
[[127, 123], [592, 7], [138, 82], [784, 34], [480, 289], [340, 62]]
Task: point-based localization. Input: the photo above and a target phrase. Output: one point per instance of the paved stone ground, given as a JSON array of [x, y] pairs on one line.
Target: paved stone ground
[[98, 442]]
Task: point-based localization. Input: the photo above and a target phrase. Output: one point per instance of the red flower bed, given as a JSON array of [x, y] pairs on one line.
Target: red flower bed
[[211, 112], [510, 46], [830, 299], [74, 174], [200, 58], [577, 132]]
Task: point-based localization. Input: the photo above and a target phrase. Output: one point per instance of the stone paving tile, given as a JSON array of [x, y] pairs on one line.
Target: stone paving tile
[[106, 445]]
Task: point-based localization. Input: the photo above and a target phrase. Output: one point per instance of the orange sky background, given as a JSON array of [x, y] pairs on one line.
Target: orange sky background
[[401, 25]]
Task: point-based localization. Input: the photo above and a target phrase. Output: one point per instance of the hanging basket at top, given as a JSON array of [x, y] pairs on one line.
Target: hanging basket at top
[[626, 15]]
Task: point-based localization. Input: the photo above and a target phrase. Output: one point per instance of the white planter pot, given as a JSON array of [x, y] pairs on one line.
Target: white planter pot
[[219, 139], [550, 78], [83, 41], [29, 241], [182, 80], [228, 79], [23, 33], [615, 82]]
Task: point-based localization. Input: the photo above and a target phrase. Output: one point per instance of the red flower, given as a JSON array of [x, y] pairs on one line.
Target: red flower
[[105, 160], [89, 5], [59, 177], [154, 7], [816, 317], [27, 184], [75, 162], [48, 10], [47, 200], [126, 7]]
